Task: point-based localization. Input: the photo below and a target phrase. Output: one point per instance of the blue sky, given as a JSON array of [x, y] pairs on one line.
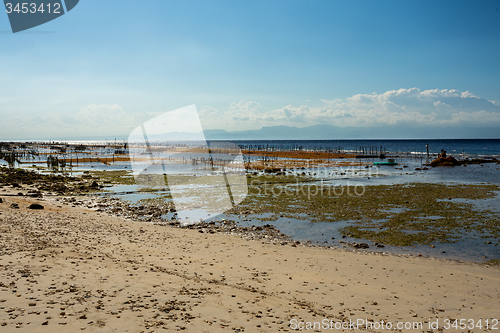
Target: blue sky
[[107, 66]]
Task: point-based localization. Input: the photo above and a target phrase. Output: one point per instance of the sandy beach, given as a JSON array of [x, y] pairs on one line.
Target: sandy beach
[[68, 269]]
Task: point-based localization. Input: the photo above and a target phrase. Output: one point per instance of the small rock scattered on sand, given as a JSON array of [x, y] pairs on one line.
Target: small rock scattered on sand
[[35, 206]]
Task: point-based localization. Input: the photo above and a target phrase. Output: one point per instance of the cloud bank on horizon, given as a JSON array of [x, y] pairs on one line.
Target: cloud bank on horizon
[[445, 107], [414, 107]]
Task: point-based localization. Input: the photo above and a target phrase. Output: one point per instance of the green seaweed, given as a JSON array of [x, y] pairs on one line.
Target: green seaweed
[[122, 177], [493, 262], [400, 215]]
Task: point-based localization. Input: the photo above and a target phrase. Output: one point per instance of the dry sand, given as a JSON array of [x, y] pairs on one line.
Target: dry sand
[[66, 269]]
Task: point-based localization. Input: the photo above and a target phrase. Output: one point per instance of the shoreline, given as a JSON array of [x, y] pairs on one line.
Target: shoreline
[[91, 271], [88, 191], [268, 233]]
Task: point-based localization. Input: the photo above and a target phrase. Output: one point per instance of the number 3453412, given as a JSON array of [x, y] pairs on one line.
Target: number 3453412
[[25, 8], [488, 324]]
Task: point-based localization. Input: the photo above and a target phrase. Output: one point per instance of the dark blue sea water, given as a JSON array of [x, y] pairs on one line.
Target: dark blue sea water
[[474, 147]]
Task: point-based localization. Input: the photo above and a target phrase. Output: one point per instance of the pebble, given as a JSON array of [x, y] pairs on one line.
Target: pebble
[[35, 206]]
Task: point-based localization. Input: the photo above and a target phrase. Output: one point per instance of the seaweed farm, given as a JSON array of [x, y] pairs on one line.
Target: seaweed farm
[[323, 195], [68, 157], [257, 155], [61, 155]]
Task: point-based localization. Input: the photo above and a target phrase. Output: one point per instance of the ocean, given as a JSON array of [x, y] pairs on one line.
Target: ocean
[[471, 147]]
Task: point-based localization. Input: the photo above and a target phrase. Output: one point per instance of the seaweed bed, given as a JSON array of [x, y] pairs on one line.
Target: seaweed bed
[[397, 215]]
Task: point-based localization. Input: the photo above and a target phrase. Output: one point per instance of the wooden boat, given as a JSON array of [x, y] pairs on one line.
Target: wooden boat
[[390, 161]]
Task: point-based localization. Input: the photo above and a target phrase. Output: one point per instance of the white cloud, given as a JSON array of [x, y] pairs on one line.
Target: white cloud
[[91, 120], [244, 114], [440, 104], [402, 106]]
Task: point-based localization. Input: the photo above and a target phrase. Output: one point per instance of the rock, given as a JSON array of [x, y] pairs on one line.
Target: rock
[[480, 160], [445, 161], [14, 206], [360, 246], [1, 200], [35, 206]]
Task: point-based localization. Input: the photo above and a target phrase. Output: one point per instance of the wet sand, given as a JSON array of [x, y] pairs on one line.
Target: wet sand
[[68, 269]]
